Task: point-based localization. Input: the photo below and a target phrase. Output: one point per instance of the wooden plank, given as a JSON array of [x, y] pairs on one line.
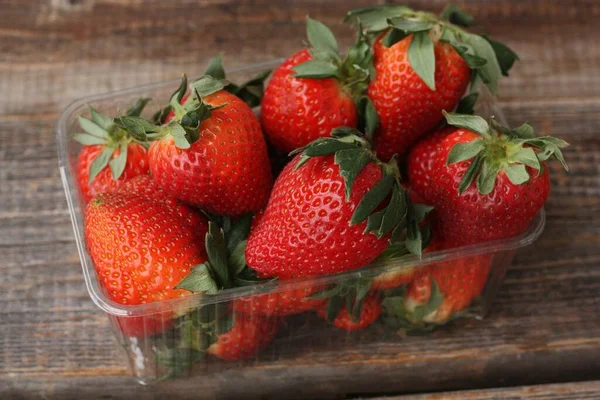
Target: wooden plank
[[546, 318], [563, 391], [122, 388], [56, 52]]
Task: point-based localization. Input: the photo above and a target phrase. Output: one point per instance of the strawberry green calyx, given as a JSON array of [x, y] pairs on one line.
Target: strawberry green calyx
[[184, 127], [353, 72], [386, 207], [101, 130], [399, 313], [251, 91], [197, 331], [500, 149], [489, 60], [226, 265], [350, 293]]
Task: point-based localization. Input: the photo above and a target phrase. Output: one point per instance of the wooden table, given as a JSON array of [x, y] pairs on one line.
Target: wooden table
[[542, 338]]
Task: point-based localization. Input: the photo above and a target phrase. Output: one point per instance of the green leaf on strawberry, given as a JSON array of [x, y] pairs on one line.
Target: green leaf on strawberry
[[505, 55], [320, 38], [456, 16], [101, 130], [251, 92], [375, 18], [352, 153], [422, 58], [467, 104], [226, 265], [500, 149], [488, 59]]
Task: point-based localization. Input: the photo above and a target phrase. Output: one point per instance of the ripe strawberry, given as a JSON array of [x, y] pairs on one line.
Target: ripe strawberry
[[369, 312], [423, 66], [106, 145], [144, 185], [512, 180], [140, 249], [439, 291], [322, 209], [315, 90], [459, 282], [406, 107], [212, 154], [248, 335]]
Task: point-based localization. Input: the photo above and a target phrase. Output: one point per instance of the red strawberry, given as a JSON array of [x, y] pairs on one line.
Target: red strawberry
[[212, 154], [248, 335], [369, 312], [322, 208], [144, 185], [296, 111], [280, 302], [315, 90], [422, 67], [140, 248], [105, 144], [512, 180], [459, 282], [406, 106], [440, 290]]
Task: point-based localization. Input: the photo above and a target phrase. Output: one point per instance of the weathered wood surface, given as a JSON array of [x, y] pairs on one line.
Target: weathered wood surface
[[545, 324], [567, 391], [118, 388]]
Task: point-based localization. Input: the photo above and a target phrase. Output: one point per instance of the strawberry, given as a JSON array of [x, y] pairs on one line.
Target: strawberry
[[441, 290], [213, 329], [423, 65], [248, 335], [315, 90], [144, 185], [106, 145], [485, 182], [140, 248], [332, 209], [368, 312], [212, 154]]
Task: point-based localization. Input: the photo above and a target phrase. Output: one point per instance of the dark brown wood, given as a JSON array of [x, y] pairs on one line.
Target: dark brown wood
[[120, 388], [545, 323], [567, 391]]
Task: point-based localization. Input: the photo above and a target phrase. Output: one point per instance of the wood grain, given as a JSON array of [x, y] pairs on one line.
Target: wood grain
[[121, 388], [545, 323], [567, 391], [55, 52]]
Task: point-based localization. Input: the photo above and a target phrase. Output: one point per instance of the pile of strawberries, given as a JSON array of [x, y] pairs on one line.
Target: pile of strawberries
[[205, 196]]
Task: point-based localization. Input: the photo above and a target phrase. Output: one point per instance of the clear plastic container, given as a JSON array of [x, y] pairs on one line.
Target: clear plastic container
[[167, 340]]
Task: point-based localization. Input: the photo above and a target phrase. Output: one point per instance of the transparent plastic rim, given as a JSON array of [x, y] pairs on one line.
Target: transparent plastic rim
[[197, 300]]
